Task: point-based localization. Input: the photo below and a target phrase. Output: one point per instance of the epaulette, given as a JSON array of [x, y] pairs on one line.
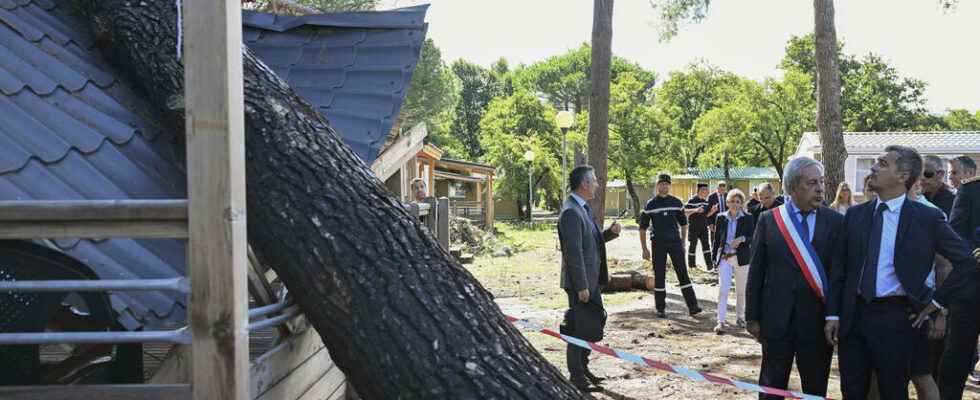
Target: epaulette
[[971, 180]]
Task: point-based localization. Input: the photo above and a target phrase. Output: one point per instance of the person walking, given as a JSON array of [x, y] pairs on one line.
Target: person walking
[[583, 268], [696, 211], [791, 251], [732, 254], [664, 216]]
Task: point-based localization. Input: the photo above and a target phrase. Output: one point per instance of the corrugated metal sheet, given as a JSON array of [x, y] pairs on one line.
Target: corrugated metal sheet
[[354, 68], [952, 141], [734, 173], [70, 128]]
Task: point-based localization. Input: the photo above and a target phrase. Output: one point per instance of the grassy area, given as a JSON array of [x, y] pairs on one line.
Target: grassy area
[[532, 274]]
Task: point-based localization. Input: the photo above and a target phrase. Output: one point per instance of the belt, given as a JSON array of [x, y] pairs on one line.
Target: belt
[[729, 255], [896, 300]]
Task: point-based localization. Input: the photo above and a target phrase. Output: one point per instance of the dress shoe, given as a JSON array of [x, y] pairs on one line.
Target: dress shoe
[[661, 314], [597, 381], [695, 311], [584, 386]]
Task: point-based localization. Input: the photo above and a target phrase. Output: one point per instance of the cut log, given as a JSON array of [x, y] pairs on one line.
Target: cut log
[[399, 315]]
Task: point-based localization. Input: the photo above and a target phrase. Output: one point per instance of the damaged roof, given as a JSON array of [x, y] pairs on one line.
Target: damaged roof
[[71, 128], [354, 68]]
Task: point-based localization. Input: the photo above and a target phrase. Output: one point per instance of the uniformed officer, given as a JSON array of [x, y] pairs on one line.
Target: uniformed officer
[[696, 211], [664, 217]]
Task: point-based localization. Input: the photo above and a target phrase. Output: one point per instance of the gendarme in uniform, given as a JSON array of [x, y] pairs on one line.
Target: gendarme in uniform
[[697, 229], [664, 216]]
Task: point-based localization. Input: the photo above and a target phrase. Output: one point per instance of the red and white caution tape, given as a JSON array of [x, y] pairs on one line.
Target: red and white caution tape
[[686, 372]]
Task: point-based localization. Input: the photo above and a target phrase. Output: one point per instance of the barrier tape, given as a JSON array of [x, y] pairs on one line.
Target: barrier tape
[[677, 370]]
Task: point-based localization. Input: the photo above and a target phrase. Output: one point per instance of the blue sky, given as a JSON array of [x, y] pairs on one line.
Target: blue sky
[[745, 37]]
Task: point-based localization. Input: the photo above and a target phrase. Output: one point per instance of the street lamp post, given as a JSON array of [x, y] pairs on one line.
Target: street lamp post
[[529, 157], [565, 120]]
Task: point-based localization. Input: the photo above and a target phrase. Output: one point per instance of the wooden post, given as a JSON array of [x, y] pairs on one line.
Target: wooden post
[[431, 220], [488, 214], [217, 260], [443, 228]]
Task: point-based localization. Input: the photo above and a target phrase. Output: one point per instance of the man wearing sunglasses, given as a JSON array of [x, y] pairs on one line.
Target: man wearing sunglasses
[[934, 184]]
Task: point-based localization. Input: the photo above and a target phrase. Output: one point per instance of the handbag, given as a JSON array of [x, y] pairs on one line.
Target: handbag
[[585, 321]]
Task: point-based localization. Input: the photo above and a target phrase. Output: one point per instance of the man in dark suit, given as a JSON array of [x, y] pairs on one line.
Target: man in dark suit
[[934, 183], [885, 253], [583, 266], [964, 315], [767, 201], [786, 297]]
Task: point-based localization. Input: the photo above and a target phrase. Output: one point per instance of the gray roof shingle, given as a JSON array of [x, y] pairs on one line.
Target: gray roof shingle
[[72, 128], [354, 68]]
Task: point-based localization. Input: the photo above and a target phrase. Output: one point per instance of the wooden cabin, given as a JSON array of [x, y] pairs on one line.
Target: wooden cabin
[[130, 229]]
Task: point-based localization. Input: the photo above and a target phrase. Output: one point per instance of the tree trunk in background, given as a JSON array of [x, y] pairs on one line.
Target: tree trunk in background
[[634, 198], [599, 101], [829, 122], [399, 315]]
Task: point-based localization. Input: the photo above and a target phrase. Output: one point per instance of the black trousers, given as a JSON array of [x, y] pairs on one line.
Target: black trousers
[[576, 357], [676, 252], [692, 244], [880, 340], [812, 355], [957, 361]]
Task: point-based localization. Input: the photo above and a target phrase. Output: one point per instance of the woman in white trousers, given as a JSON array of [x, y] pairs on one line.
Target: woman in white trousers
[[733, 234]]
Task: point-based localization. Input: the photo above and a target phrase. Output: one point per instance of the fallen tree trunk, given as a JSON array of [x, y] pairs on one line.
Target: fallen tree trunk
[[400, 317]]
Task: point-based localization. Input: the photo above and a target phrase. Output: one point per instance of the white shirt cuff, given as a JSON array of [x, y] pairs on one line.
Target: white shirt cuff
[[832, 318], [938, 305]]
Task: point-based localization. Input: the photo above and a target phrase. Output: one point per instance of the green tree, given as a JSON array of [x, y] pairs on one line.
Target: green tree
[[565, 80], [510, 127], [762, 125], [478, 86], [432, 95], [875, 97], [634, 129], [961, 120], [687, 95]]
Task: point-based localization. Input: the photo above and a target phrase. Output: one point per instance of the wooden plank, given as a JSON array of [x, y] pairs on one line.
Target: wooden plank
[[330, 385], [301, 379], [488, 223], [96, 392], [176, 368], [100, 210], [217, 246], [271, 368], [94, 229], [443, 228]]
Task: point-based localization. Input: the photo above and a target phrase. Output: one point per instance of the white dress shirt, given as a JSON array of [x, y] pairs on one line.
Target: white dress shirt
[[887, 283]]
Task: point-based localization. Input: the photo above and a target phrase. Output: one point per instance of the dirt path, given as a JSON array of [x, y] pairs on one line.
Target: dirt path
[[679, 339]]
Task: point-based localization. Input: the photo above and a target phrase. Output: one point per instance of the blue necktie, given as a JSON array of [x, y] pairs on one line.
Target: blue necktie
[[870, 276], [806, 227], [591, 217]]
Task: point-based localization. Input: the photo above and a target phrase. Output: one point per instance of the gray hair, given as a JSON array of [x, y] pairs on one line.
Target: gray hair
[[793, 172], [935, 161], [766, 186], [908, 161]]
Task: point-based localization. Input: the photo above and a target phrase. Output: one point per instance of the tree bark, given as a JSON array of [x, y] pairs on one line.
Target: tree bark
[[399, 315], [829, 122], [599, 101], [634, 198]]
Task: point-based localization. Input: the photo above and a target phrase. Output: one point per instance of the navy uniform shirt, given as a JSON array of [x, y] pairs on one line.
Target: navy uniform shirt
[[663, 216], [698, 221]]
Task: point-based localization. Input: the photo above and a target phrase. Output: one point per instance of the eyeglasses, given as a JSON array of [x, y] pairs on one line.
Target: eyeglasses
[[930, 174]]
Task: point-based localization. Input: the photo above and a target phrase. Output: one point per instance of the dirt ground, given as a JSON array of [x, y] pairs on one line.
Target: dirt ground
[[526, 286]]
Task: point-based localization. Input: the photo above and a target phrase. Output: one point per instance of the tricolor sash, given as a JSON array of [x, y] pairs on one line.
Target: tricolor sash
[[802, 250]]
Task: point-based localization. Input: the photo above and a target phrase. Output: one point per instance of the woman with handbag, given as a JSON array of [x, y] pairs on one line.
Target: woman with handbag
[[733, 234]]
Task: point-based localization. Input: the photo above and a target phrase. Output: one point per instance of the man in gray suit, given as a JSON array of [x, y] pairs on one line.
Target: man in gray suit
[[583, 266]]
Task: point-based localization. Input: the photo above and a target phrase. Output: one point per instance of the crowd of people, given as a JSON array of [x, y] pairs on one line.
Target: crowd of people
[[891, 282]]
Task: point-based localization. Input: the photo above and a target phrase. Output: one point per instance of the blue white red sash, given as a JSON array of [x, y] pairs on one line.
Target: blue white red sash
[[802, 250]]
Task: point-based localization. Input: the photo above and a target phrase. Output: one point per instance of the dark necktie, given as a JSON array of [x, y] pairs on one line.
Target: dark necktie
[[870, 276], [721, 203], [588, 210], [806, 226]]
